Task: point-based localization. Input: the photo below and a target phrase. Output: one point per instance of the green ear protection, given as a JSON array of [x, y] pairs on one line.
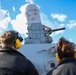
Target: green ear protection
[[18, 39], [58, 59]]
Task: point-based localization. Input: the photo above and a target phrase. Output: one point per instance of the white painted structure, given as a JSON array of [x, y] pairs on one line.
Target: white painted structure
[[38, 45], [37, 32], [42, 56]]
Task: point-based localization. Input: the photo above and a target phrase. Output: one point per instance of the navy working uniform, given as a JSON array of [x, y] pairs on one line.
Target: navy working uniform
[[66, 56], [13, 62], [65, 67]]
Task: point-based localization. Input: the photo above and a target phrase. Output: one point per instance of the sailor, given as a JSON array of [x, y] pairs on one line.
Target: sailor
[[12, 62], [66, 56]]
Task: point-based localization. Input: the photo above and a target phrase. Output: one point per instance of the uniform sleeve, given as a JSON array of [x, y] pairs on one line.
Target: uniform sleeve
[[50, 72], [31, 70]]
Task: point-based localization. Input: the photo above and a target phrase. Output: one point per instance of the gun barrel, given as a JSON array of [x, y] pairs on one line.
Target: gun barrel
[[58, 29]]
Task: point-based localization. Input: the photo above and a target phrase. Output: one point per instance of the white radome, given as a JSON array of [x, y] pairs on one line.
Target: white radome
[[32, 14]]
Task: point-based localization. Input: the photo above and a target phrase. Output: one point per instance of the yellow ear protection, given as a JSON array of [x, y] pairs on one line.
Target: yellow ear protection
[[18, 44], [58, 59], [74, 53], [18, 39]]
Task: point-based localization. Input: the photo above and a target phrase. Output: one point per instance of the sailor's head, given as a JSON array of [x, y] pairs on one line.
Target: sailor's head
[[65, 49], [11, 38]]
